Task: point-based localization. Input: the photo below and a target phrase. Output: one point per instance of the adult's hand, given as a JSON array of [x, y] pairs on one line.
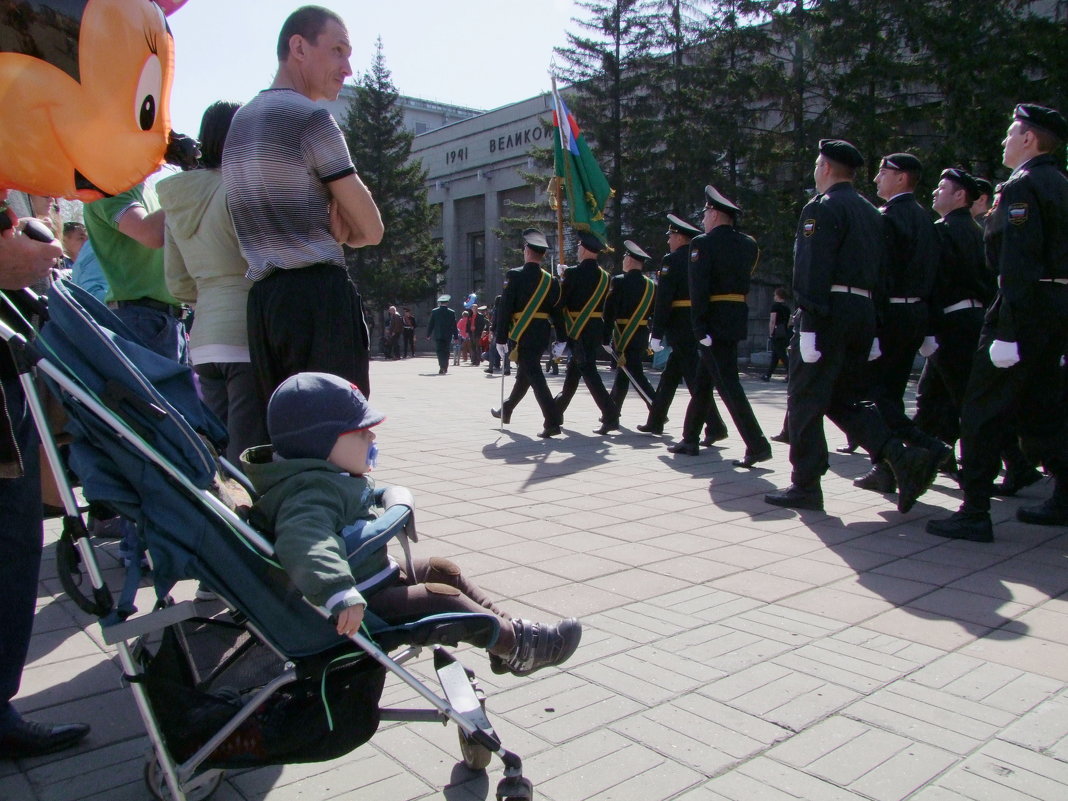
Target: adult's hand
[[809, 353], [654, 345], [705, 341], [502, 348], [1004, 354], [875, 351], [929, 346], [25, 260]]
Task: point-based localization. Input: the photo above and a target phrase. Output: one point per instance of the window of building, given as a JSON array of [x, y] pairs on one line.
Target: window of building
[[477, 249]]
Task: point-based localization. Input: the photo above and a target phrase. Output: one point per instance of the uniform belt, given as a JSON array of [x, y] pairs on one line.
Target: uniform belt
[[851, 290], [681, 304], [625, 323], [1053, 280], [149, 303], [905, 300], [727, 298], [534, 316], [574, 314], [964, 304]]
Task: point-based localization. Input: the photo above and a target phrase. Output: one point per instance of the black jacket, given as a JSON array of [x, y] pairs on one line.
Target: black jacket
[[519, 285], [673, 284], [962, 272], [624, 294], [721, 263]]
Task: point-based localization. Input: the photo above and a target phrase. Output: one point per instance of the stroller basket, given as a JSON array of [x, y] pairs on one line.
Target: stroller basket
[[269, 681]]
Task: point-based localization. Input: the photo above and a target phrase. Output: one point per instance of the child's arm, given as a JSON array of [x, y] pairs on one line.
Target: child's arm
[[349, 620]]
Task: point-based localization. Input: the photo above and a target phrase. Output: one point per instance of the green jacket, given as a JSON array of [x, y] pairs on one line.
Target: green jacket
[[304, 504]]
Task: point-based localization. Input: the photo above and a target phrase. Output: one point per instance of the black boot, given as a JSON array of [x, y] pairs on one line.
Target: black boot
[[1016, 478], [26, 738], [1053, 512], [686, 448], [504, 414], [550, 431], [795, 497], [783, 437], [712, 437], [761, 453], [650, 428], [606, 426], [538, 645], [914, 470], [879, 479], [966, 524]]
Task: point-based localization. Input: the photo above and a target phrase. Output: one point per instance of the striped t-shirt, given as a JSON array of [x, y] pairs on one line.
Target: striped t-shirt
[[281, 152]]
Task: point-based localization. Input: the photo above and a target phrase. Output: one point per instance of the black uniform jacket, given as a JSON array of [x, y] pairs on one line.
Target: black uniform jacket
[[624, 295], [839, 241], [519, 285], [721, 263], [962, 272], [673, 284], [442, 323], [579, 282], [1026, 239]]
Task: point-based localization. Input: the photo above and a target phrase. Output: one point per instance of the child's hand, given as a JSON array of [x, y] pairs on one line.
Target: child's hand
[[349, 620]]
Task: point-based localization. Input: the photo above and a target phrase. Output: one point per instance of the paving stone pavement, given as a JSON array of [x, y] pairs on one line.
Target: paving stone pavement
[[732, 650]]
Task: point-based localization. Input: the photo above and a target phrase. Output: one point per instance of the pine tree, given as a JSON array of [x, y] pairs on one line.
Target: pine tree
[[407, 266]]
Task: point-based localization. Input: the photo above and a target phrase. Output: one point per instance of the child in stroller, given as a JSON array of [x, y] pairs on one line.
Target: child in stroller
[[316, 498]]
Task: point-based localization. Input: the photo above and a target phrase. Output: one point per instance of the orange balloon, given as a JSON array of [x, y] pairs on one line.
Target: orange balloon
[[95, 134]]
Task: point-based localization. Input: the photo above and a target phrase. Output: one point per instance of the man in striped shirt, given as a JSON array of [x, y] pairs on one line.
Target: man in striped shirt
[[295, 199]]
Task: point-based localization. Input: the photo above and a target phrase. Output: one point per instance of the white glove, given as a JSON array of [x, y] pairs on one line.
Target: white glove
[[706, 340], [809, 354], [875, 351], [929, 346], [654, 345], [502, 348], [558, 349], [1004, 354], [609, 349]]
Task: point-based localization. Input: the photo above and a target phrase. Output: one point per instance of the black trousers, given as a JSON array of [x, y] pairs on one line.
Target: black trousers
[[529, 375], [718, 368], [443, 349], [1028, 394], [308, 319], [633, 362], [940, 393], [900, 337], [834, 387], [778, 356], [681, 366], [583, 365]]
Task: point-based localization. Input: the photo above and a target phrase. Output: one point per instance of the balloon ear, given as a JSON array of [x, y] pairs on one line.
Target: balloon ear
[[170, 6]]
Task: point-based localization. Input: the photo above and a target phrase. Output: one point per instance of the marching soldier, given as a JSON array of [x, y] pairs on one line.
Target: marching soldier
[[903, 318], [529, 301], [1016, 370], [838, 255], [626, 324], [671, 321], [584, 288], [963, 288], [722, 261]]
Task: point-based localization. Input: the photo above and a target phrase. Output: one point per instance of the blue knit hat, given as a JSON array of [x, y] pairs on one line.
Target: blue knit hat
[[309, 411]]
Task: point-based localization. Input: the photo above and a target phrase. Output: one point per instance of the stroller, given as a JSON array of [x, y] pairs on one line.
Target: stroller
[[268, 680]]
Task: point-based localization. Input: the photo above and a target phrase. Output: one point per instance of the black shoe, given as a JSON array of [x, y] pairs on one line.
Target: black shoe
[[971, 526], [609, 425], [1016, 480], [782, 436], [713, 437], [914, 470], [29, 739], [1051, 513], [761, 454], [488, 370], [685, 448], [550, 431], [502, 414], [765, 378], [879, 479], [539, 646], [850, 447], [648, 428], [795, 497]]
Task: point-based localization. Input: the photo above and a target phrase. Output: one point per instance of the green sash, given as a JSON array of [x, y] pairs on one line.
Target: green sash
[[523, 319], [575, 325], [625, 333]]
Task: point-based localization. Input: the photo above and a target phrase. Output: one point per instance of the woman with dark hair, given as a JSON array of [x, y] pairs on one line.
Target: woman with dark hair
[[204, 267]]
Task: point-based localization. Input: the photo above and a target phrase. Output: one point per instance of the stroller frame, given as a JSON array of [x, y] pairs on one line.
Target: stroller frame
[[463, 702]]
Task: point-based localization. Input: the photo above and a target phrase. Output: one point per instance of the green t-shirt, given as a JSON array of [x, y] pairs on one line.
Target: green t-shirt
[[132, 270]]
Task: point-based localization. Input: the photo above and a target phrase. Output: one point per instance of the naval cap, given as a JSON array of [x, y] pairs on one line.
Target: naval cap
[[715, 199], [535, 239], [677, 225]]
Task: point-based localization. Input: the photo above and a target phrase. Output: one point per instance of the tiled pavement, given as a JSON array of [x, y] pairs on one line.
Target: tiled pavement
[[732, 650]]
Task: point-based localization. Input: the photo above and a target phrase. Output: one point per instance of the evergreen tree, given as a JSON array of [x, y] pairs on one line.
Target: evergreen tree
[[407, 266]]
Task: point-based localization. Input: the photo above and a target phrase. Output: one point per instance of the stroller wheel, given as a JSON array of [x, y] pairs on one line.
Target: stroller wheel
[[515, 788], [475, 755], [199, 788]]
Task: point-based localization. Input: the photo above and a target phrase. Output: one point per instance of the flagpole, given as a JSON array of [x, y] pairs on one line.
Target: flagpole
[[559, 195]]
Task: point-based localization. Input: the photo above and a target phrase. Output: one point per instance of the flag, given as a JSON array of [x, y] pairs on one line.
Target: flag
[[587, 188]]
